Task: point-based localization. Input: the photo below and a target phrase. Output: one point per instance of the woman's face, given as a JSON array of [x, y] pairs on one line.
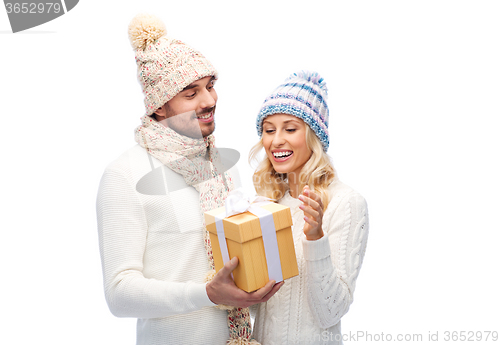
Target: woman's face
[[284, 139]]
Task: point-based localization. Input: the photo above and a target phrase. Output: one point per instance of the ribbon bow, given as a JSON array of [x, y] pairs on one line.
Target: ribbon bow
[[238, 201]]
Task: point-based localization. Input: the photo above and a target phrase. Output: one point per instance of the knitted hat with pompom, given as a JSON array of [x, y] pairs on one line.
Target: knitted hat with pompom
[[165, 66], [303, 95]]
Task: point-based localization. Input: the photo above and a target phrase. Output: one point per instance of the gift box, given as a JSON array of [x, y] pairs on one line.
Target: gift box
[[263, 255]]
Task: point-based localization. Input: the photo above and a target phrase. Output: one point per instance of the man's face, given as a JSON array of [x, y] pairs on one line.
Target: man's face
[[191, 111]]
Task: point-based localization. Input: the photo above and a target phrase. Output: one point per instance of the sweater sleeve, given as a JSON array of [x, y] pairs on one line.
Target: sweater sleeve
[[123, 231], [333, 262]]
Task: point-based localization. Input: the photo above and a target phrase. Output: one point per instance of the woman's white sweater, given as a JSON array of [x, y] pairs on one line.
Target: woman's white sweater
[[308, 308]]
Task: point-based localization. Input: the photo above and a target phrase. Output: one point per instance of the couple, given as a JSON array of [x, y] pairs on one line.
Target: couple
[[156, 256]]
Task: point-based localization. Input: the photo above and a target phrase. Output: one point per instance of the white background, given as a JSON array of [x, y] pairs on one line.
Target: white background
[[414, 92]]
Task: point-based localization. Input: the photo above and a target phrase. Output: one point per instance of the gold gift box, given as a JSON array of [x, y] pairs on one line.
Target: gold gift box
[[244, 240]]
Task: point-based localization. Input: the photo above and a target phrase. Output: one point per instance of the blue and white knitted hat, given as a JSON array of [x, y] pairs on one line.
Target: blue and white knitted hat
[[303, 95]]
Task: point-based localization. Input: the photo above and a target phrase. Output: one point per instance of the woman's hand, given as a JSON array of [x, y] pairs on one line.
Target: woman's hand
[[313, 212]]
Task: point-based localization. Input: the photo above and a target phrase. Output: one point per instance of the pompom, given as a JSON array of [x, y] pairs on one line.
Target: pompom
[[312, 77], [224, 307], [242, 341], [209, 276], [145, 29]]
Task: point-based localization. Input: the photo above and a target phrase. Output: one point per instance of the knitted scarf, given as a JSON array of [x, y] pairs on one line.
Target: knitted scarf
[[195, 160]]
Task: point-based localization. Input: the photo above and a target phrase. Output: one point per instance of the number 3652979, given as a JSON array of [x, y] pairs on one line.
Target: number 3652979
[[48, 7]]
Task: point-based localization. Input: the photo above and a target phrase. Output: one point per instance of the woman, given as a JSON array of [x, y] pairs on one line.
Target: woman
[[330, 220]]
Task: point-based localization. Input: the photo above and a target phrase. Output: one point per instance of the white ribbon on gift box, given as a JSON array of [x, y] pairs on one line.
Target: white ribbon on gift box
[[238, 202]]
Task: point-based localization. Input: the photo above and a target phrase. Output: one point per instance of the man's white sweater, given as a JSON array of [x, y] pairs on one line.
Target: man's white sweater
[[153, 255]]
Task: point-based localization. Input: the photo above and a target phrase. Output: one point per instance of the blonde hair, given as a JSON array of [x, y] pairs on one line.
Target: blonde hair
[[317, 173]]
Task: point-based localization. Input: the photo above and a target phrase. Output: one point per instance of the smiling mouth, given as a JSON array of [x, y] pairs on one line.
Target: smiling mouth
[[282, 156], [206, 117]]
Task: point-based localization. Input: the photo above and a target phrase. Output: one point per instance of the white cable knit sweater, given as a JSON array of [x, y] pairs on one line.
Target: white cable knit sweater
[[153, 255], [308, 308]]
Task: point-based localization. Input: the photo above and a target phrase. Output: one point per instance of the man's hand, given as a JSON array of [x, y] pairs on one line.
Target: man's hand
[[222, 290]]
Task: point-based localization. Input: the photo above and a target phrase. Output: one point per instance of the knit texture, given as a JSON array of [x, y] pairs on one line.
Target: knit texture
[[303, 95], [196, 161], [153, 256], [165, 66], [187, 157], [314, 301]]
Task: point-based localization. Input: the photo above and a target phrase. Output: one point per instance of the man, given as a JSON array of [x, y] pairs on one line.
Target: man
[[154, 249]]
